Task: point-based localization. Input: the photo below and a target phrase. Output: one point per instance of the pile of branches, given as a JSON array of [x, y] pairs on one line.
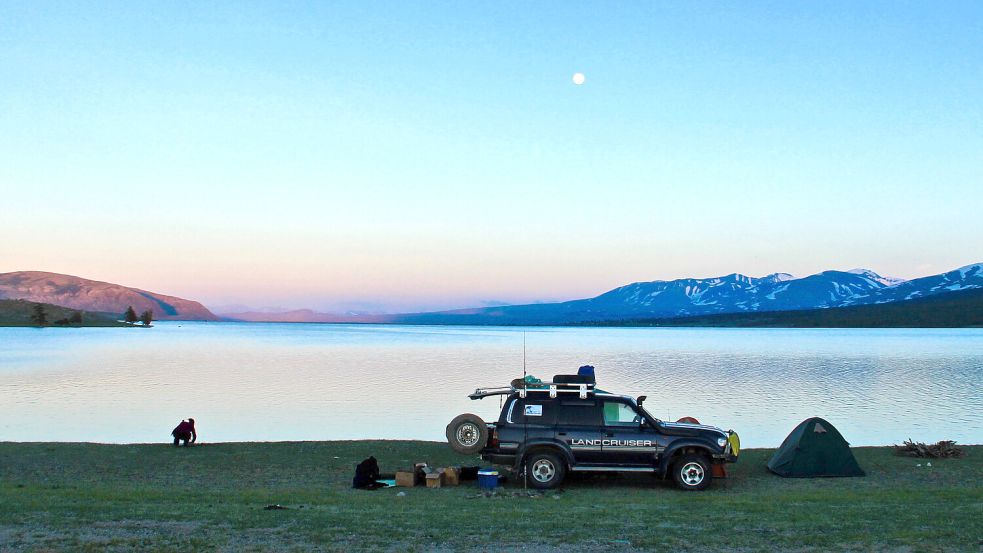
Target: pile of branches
[[945, 448]]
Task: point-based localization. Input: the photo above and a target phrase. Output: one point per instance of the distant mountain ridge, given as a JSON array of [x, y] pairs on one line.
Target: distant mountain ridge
[[954, 309], [101, 297], [686, 297], [963, 278], [302, 316], [734, 293]]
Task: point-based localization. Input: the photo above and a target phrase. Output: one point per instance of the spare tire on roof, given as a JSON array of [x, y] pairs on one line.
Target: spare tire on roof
[[467, 434]]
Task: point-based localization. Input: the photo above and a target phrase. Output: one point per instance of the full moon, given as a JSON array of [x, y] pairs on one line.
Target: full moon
[[579, 78]]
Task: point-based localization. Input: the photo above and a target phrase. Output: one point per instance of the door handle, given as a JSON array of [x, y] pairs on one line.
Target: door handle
[[609, 434], [561, 433]]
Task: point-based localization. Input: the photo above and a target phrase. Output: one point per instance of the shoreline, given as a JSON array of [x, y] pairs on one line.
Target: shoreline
[[428, 443], [609, 325]]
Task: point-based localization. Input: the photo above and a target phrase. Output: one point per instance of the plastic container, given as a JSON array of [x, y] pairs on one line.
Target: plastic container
[[488, 479]]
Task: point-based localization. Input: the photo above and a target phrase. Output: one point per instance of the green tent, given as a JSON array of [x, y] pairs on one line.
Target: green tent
[[814, 448]]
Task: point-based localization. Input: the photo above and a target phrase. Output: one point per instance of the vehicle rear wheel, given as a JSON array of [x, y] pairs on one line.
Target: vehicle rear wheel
[[545, 470], [467, 434], [692, 472]]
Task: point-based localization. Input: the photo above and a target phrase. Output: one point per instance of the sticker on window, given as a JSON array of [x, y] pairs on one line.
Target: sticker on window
[[534, 410]]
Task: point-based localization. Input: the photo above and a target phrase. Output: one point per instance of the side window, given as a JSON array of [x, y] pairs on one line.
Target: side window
[[619, 414], [580, 413], [532, 411]]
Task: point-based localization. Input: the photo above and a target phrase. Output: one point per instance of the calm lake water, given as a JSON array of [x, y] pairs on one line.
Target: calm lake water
[[261, 382]]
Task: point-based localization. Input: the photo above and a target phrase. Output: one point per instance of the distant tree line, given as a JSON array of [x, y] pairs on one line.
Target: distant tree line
[[73, 319], [131, 316], [39, 316]]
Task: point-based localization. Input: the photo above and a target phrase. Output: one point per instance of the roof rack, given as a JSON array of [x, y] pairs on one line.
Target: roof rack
[[552, 388]]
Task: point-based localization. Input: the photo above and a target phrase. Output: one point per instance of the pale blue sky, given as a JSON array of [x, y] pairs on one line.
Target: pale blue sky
[[407, 156]]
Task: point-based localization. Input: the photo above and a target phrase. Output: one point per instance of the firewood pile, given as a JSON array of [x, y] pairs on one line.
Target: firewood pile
[[945, 448]]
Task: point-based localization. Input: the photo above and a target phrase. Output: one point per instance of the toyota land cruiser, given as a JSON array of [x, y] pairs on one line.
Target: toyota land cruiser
[[550, 428]]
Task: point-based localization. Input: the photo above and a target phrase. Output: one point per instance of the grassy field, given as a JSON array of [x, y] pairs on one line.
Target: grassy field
[[75, 497]]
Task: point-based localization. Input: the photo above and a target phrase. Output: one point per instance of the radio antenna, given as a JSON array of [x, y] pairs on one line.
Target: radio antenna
[[525, 419], [523, 355]]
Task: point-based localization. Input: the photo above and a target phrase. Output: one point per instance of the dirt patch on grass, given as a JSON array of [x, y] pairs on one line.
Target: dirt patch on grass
[[105, 536], [148, 526]]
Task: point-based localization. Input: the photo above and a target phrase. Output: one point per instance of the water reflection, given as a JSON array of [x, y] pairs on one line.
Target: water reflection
[[318, 382]]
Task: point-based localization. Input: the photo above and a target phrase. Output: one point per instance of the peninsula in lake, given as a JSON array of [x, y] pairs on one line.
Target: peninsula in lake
[[105, 298]]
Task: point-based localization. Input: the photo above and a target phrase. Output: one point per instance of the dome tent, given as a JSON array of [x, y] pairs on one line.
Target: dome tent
[[814, 448]]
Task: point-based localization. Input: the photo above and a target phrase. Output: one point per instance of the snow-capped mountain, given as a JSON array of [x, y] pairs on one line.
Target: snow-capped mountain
[[970, 276], [885, 280], [734, 293]]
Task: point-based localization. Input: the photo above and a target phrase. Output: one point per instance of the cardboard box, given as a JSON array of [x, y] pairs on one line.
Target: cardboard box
[[405, 479], [452, 476], [435, 479]]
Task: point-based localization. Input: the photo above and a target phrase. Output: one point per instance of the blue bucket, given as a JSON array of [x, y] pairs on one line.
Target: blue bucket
[[488, 479]]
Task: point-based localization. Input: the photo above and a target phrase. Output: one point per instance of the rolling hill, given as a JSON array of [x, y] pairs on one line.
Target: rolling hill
[[100, 297]]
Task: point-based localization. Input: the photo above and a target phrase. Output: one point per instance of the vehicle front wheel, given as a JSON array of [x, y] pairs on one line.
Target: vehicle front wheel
[[545, 470], [467, 434], [692, 472]]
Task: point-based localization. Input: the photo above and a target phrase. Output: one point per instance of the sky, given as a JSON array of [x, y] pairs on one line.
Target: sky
[[411, 156]]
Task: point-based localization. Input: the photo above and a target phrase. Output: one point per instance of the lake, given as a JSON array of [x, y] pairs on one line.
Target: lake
[[271, 382]]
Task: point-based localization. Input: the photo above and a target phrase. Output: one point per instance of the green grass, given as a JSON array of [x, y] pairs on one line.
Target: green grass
[[96, 497]]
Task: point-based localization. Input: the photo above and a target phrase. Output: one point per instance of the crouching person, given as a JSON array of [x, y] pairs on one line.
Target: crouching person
[[185, 432], [366, 474]]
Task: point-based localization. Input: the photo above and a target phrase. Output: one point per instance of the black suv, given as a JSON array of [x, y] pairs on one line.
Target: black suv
[[549, 428]]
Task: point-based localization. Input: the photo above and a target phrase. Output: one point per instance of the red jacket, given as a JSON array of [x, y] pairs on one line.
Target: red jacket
[[184, 429]]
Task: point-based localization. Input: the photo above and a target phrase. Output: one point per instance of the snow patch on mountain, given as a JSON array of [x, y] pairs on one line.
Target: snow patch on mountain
[[975, 269], [778, 277], [778, 290], [885, 280]]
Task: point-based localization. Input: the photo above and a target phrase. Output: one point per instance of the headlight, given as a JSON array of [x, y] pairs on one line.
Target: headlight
[[722, 442]]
